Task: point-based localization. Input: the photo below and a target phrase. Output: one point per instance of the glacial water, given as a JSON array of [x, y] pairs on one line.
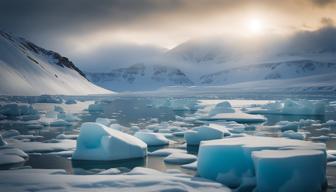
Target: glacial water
[[140, 111]]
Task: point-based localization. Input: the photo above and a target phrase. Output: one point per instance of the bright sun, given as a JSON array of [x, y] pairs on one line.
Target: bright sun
[[255, 26]]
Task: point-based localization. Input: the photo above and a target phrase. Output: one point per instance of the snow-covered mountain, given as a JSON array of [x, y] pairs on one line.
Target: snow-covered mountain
[[140, 77], [27, 69], [267, 71]]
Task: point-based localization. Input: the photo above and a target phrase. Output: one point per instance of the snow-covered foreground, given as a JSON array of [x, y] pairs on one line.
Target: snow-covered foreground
[[139, 179], [174, 144]]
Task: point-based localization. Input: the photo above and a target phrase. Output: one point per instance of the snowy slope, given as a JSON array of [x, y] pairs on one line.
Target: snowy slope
[[267, 71], [27, 69], [323, 83], [140, 77]]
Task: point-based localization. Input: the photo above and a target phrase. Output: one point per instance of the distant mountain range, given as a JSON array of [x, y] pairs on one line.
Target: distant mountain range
[[303, 59], [218, 61], [139, 77]]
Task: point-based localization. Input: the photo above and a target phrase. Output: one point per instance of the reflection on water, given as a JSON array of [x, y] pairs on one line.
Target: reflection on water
[[127, 112], [55, 162]]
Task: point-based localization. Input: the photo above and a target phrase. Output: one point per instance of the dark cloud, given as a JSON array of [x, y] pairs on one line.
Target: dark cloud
[[57, 24], [326, 21], [323, 2]]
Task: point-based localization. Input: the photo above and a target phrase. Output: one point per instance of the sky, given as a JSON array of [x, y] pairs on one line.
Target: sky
[[121, 32]]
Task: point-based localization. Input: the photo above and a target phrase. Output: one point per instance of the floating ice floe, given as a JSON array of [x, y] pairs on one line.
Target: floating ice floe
[[43, 147], [48, 99], [10, 133], [60, 123], [292, 107], [202, 133], [96, 107], [61, 153], [238, 117], [138, 179], [68, 117], [320, 138], [70, 101], [98, 142], [17, 109], [166, 152], [2, 142], [105, 121], [223, 107], [180, 158], [58, 109], [10, 155], [293, 135], [63, 136], [152, 139], [230, 161], [191, 166], [330, 123], [182, 104], [111, 171]]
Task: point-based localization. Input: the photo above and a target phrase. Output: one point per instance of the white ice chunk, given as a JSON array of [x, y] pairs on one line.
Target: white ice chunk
[[12, 156], [43, 147], [111, 171], [180, 158], [202, 133], [63, 136], [293, 107], [191, 166], [139, 179], [105, 121], [98, 142], [152, 139], [166, 152], [10, 159], [293, 135], [223, 107], [239, 117]]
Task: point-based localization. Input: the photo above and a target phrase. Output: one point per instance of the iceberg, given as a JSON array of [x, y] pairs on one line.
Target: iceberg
[[230, 160], [223, 107], [98, 142], [202, 133], [296, 170], [17, 109], [95, 107], [70, 101], [292, 107], [152, 139], [293, 135]]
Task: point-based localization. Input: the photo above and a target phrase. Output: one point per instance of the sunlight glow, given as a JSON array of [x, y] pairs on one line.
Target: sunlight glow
[[255, 26]]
